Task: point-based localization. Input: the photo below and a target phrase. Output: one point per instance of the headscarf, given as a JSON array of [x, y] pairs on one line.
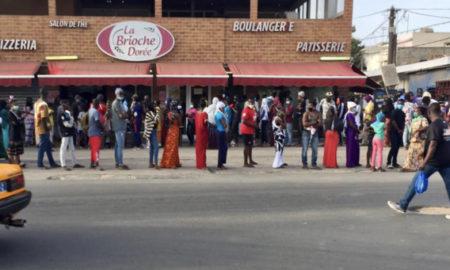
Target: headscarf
[[379, 117], [350, 104], [212, 111], [220, 105], [368, 98], [264, 105]]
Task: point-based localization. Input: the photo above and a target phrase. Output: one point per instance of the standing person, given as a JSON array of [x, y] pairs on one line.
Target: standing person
[[29, 122], [408, 108], [5, 123], [151, 124], [369, 111], [15, 145], [81, 135], [212, 140], [264, 121], [387, 108], [221, 125], [279, 135], [395, 134], [248, 127], [160, 127], [119, 126], [325, 105], [191, 124], [170, 158], [42, 129], [312, 120], [419, 125], [66, 125], [95, 134], [229, 118], [289, 118], [437, 159], [3, 153], [378, 128], [341, 111], [300, 110], [235, 122], [201, 131], [137, 111], [352, 133], [333, 126]]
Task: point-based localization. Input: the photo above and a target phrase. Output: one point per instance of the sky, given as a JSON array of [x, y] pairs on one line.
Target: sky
[[374, 29]]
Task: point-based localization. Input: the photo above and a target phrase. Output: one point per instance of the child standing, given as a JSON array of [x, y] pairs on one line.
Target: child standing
[[279, 135], [378, 141]]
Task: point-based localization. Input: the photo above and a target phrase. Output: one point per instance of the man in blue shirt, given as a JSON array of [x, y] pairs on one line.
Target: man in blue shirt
[[221, 127]]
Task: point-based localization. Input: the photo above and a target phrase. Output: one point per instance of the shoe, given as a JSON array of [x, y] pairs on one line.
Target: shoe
[[396, 207], [389, 166], [117, 166], [381, 170], [65, 168], [373, 169], [56, 165], [78, 166], [396, 166], [249, 166], [123, 167], [253, 162], [305, 167], [151, 165]]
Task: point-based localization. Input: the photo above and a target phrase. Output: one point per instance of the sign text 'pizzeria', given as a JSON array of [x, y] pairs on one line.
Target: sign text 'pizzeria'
[[135, 41]]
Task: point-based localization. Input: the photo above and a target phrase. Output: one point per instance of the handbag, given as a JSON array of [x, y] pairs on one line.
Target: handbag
[[421, 184]]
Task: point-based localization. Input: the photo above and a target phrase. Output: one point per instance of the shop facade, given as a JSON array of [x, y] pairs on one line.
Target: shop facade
[[192, 49]]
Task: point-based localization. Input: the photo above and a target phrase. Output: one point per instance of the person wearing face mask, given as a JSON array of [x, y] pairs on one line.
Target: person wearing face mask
[[395, 134], [289, 119], [300, 110], [352, 134], [248, 127], [119, 126], [419, 125], [312, 120], [15, 144]]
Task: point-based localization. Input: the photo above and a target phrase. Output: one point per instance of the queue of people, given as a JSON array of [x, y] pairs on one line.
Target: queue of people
[[402, 121]]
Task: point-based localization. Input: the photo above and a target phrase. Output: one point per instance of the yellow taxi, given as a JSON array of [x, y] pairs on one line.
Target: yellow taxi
[[13, 196]]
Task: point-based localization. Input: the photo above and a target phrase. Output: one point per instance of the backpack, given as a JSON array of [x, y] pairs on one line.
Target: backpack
[[84, 122]]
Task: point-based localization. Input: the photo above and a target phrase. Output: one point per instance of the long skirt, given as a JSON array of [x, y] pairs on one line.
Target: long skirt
[[212, 137], [413, 157], [352, 150], [330, 149], [278, 162], [170, 158], [15, 148]]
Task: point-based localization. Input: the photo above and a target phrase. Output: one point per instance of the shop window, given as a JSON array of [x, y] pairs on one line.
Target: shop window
[[120, 8], [301, 9], [24, 7], [206, 8]]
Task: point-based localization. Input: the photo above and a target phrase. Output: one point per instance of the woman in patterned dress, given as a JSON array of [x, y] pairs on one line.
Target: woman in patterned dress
[[416, 148], [171, 159]]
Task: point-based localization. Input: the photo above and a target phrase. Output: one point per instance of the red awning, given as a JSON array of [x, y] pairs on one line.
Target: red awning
[[17, 73], [201, 74], [296, 74], [80, 73]]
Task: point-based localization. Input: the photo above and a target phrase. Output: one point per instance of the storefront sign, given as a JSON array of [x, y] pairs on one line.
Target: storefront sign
[[17, 45], [277, 26], [135, 41], [330, 46], [68, 24]]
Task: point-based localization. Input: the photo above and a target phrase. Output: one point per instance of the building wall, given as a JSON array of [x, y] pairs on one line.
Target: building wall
[[197, 39]]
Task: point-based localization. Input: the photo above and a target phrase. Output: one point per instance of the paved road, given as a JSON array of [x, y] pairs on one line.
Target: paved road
[[333, 219]]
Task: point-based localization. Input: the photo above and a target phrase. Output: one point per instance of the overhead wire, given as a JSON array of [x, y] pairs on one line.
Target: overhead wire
[[428, 15], [371, 14]]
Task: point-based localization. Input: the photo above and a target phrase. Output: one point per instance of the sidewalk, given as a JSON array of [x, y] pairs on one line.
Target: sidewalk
[[137, 160]]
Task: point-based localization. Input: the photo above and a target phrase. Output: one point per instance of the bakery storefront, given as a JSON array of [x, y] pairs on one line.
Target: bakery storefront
[[184, 50]]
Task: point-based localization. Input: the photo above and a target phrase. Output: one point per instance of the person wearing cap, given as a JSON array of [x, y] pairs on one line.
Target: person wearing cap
[[300, 110], [352, 134], [312, 120], [190, 131], [221, 126], [119, 126], [42, 130], [396, 133], [325, 105]]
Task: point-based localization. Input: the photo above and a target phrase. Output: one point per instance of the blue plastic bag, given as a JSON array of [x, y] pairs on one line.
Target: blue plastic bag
[[421, 183]]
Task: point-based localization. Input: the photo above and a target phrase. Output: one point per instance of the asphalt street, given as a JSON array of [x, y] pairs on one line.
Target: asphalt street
[[237, 219]]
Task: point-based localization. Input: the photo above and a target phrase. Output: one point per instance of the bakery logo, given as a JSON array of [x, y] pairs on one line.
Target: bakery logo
[[135, 41]]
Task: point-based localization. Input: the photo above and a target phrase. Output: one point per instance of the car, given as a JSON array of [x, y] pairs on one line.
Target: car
[[13, 196]]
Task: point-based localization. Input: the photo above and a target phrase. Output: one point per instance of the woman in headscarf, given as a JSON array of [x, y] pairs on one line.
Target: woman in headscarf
[[264, 121], [279, 134], [15, 145], [378, 128], [352, 132], [212, 140], [416, 148], [221, 127], [201, 135], [333, 126], [171, 159]]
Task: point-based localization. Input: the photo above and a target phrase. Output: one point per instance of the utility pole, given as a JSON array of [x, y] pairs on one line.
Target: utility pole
[[392, 50]]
